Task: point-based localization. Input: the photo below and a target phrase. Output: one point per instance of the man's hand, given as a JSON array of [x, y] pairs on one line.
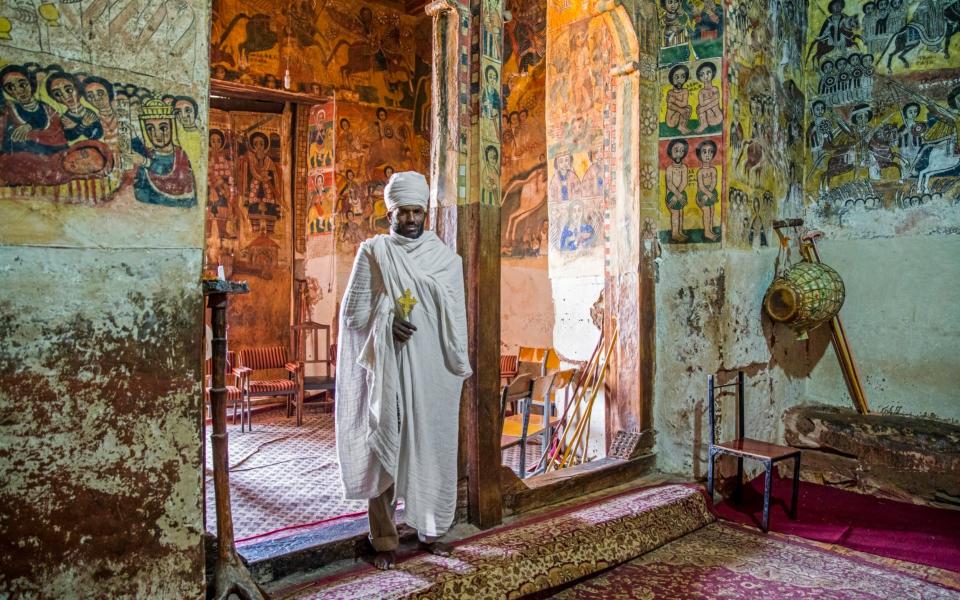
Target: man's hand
[[402, 330]]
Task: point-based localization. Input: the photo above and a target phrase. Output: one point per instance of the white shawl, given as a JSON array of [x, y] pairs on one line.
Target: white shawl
[[398, 406]]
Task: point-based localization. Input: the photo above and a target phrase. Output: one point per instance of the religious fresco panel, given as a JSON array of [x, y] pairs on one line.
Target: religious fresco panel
[[764, 118], [580, 138], [883, 106], [321, 184], [690, 185], [365, 47], [690, 123], [249, 227], [372, 143], [69, 136], [524, 229], [491, 102]]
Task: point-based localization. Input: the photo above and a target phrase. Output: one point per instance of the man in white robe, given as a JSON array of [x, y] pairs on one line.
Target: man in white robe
[[399, 380]]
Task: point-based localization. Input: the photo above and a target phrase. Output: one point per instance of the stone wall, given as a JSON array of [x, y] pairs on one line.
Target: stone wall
[[102, 180]]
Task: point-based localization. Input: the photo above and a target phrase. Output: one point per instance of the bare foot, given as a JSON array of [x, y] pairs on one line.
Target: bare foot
[[679, 237], [384, 560], [436, 548]]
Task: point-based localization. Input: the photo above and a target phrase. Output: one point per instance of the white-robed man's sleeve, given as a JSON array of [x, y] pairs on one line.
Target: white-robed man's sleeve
[[363, 330]]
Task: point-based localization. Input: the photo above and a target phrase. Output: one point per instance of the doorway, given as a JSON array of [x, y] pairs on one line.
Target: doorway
[[269, 222]]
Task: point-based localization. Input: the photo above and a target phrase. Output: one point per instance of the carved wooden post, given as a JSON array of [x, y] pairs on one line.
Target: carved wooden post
[[473, 228], [230, 577], [444, 120]]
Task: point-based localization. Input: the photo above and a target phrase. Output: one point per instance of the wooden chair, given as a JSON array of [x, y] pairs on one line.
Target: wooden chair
[[304, 337], [260, 359], [234, 393], [508, 368], [526, 424], [547, 357], [744, 447], [517, 392]]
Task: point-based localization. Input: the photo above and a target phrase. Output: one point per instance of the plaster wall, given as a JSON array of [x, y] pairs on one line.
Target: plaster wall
[[100, 260], [903, 324], [708, 320]]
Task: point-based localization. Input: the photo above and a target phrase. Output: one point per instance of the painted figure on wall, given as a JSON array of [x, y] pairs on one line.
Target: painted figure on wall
[[940, 155], [837, 33], [260, 183], [577, 232], [709, 22], [492, 29], [678, 100], [490, 105], [490, 176], [707, 181], [709, 113], [185, 108], [29, 124], [673, 23], [99, 93], [163, 174], [530, 192], [220, 186], [565, 185], [79, 122], [676, 193], [57, 127], [821, 129]]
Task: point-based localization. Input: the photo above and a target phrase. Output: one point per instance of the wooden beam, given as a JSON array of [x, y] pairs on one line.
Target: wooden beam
[[232, 89], [479, 242], [521, 496]]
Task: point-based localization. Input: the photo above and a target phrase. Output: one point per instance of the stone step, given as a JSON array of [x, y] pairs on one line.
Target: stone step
[[532, 555]]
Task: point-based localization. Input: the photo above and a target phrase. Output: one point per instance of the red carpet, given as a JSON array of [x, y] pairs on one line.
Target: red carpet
[[910, 532]]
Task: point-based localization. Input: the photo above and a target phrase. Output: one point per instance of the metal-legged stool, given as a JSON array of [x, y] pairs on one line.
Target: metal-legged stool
[[743, 447]]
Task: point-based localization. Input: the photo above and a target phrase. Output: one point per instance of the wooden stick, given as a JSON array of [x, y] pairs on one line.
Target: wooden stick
[[584, 421], [838, 336]]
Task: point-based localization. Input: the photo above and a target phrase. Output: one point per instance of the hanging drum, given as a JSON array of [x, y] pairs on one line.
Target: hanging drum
[[805, 296]]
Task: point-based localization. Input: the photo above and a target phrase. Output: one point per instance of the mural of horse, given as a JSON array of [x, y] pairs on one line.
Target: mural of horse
[[937, 159], [243, 36], [915, 33]]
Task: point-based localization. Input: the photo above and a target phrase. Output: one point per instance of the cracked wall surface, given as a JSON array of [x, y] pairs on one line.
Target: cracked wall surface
[[102, 186]]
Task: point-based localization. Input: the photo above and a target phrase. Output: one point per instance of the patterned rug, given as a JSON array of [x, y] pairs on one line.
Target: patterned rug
[[723, 560], [281, 475], [530, 556]]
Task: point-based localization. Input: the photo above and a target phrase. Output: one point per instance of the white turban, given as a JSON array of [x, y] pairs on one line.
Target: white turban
[[406, 188]]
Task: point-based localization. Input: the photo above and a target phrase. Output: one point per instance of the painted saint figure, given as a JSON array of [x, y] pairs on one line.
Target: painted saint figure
[[673, 23], [707, 186], [678, 99], [709, 21], [79, 122], [565, 185], [163, 174], [676, 180], [99, 93], [490, 177], [490, 105], [262, 184], [27, 124], [709, 112], [820, 132]]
